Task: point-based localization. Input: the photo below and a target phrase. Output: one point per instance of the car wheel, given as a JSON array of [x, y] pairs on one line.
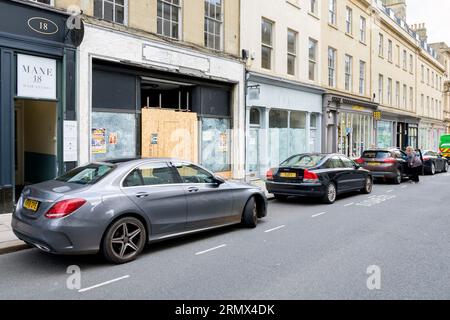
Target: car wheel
[[368, 186], [250, 214], [280, 197], [433, 169], [330, 194], [445, 167], [398, 177], [124, 240]]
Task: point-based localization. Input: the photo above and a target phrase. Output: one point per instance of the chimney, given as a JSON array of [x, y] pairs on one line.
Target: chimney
[[421, 30], [398, 6]]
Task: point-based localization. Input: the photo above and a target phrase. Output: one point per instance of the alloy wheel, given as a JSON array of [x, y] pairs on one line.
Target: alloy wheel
[[433, 169], [126, 240], [369, 185], [331, 192], [255, 213]]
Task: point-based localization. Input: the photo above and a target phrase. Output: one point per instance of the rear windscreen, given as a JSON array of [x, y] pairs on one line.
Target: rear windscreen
[[376, 154], [89, 174], [303, 161]]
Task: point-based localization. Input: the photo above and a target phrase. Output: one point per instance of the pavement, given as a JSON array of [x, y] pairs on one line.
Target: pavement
[[8, 241], [396, 238]]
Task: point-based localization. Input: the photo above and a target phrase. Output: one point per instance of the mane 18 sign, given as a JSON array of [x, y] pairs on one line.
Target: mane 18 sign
[[36, 77]]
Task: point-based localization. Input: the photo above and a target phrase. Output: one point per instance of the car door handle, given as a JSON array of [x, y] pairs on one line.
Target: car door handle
[[193, 189], [141, 195]]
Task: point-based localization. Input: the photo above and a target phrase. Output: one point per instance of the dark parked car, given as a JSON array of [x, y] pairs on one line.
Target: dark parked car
[[433, 162], [118, 207], [388, 164], [318, 175]]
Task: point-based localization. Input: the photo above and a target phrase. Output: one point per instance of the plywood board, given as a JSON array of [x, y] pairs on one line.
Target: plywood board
[[167, 133]]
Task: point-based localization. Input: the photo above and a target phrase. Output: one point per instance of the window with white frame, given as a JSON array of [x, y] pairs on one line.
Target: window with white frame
[[428, 76], [432, 79], [411, 63], [348, 72], [362, 29], [331, 67], [405, 96], [422, 71], [111, 10], [313, 6], [380, 88], [312, 55], [390, 48], [169, 16], [411, 98], [332, 12], [389, 91], [213, 24], [381, 45], [291, 51], [349, 20], [422, 103], [428, 106], [362, 77], [405, 60], [397, 94], [266, 44]]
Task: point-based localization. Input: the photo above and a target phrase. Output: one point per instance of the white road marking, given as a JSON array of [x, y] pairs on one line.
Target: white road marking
[[389, 191], [209, 250], [404, 187], [349, 204], [103, 283], [374, 196], [318, 215], [277, 228]]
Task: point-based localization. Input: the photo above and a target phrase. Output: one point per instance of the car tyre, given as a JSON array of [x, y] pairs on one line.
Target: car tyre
[[330, 194], [124, 240], [445, 167], [368, 186], [250, 214], [433, 169], [398, 177]]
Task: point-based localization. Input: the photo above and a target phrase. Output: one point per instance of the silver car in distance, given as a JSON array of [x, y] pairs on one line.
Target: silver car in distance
[[117, 207]]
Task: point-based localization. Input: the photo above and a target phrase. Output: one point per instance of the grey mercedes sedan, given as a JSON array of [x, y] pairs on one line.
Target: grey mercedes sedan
[[117, 207]]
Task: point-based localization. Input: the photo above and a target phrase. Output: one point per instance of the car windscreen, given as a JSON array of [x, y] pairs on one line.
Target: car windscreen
[[376, 154], [303, 161], [86, 175]]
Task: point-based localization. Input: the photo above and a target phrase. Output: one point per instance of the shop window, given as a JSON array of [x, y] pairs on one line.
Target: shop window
[[278, 136], [168, 23], [255, 117], [216, 144], [278, 119], [313, 133], [385, 131], [113, 135], [110, 10]]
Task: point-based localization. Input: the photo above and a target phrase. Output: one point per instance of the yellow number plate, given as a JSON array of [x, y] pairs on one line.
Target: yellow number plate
[[373, 164], [288, 175], [31, 205]]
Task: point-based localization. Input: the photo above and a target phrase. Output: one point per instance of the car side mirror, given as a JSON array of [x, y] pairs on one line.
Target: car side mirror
[[219, 180]]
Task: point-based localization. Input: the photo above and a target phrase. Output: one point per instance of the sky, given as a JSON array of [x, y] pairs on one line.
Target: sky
[[436, 16]]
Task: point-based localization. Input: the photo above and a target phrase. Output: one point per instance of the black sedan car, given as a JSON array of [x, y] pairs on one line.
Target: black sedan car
[[433, 162], [323, 176]]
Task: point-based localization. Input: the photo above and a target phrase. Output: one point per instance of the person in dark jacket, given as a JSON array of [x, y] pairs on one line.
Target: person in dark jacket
[[414, 164]]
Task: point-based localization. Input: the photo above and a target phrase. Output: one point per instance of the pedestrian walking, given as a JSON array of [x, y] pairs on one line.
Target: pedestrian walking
[[414, 164]]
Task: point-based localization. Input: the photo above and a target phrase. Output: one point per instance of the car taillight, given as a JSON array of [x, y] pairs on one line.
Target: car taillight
[[63, 208], [360, 161], [426, 158], [269, 174], [390, 160], [309, 176]]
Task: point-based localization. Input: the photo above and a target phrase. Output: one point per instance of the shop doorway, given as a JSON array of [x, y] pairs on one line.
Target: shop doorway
[[35, 142]]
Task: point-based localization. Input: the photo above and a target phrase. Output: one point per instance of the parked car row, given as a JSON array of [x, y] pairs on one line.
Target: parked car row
[[117, 207]]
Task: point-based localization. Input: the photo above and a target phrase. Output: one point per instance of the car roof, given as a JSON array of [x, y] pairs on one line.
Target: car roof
[[120, 161]]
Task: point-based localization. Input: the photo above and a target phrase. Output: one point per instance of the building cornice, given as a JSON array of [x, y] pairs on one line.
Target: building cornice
[[280, 82]]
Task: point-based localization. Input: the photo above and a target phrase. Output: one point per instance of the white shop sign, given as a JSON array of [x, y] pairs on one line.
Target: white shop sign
[[36, 77], [70, 141]]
